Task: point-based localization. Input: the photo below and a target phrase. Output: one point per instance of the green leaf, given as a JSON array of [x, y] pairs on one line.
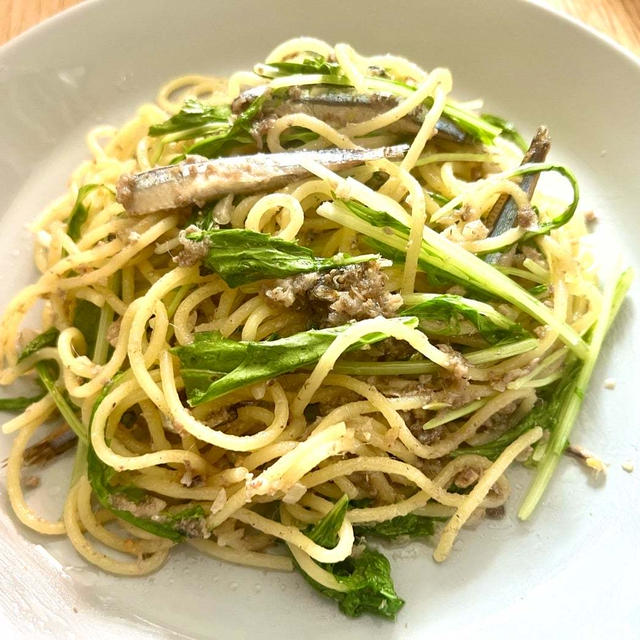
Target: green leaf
[[397, 254], [242, 363], [103, 480], [472, 124], [325, 531], [297, 135], [240, 256], [238, 133], [367, 576], [48, 338], [79, 212], [447, 311], [370, 587], [86, 319], [193, 120], [47, 371], [210, 350], [20, 403], [508, 130], [203, 218], [416, 366], [408, 525], [314, 64]]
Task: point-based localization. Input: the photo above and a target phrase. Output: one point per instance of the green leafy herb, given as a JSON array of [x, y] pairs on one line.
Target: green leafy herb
[[369, 583], [79, 212], [325, 531], [241, 256], [238, 133], [211, 351], [360, 503], [212, 365], [314, 64], [439, 254], [165, 524], [103, 480], [508, 130], [295, 136], [203, 218], [443, 313], [86, 319], [408, 525], [20, 403], [367, 577], [194, 119], [47, 371], [472, 124], [47, 338]]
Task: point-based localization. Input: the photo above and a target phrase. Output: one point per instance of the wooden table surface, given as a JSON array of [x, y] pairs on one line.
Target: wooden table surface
[[619, 19]]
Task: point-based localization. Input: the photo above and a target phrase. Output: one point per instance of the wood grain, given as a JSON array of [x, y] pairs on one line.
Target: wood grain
[[17, 16], [619, 19]]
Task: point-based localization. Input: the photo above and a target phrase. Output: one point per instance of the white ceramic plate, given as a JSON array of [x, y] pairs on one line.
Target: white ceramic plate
[[569, 572]]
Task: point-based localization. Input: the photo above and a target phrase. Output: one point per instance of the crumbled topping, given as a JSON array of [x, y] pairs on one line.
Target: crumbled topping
[[466, 478], [354, 292], [193, 251], [147, 508]]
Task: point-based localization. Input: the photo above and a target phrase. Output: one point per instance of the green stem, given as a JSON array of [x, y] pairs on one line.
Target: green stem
[[79, 462], [446, 256], [450, 416], [179, 296], [101, 349], [612, 299], [64, 407], [100, 355], [408, 367]]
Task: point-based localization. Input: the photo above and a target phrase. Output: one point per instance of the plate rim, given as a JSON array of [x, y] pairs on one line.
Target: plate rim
[[31, 35]]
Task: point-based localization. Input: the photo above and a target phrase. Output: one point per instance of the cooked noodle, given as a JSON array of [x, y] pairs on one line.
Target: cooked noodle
[[299, 440]]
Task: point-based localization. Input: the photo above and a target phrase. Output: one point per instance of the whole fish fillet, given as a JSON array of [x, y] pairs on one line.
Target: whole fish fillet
[[340, 106], [197, 180]]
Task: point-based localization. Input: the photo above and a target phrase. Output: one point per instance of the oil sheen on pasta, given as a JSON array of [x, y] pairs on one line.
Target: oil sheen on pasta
[[420, 395]]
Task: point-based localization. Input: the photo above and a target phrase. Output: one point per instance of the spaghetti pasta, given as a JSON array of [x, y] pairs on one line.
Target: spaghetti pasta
[[198, 354]]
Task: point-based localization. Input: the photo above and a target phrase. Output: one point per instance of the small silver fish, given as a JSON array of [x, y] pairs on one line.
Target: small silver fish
[[339, 106], [504, 213], [197, 180]]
